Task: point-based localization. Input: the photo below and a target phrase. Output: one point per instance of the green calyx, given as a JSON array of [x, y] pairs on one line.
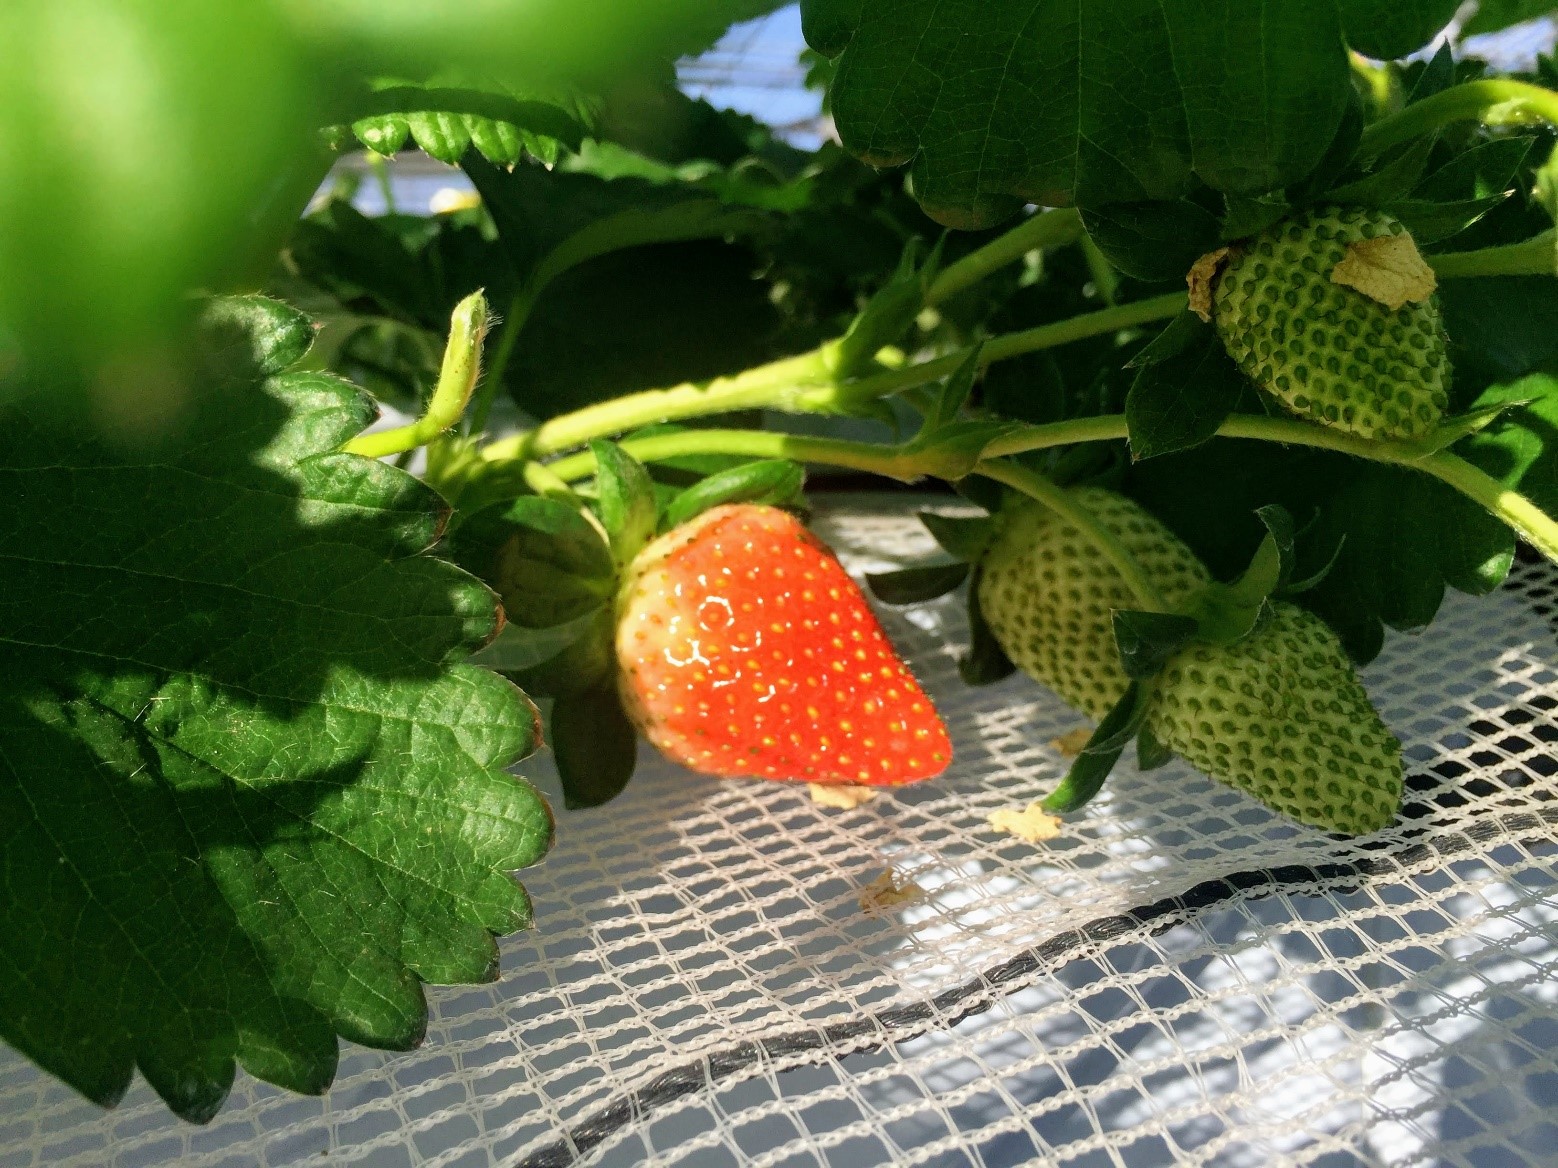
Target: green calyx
[[1325, 350]]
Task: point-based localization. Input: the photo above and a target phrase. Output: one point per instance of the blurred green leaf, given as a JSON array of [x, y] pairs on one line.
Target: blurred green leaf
[[151, 149]]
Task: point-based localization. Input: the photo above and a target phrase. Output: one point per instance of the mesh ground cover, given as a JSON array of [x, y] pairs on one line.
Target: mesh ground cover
[[1181, 977]]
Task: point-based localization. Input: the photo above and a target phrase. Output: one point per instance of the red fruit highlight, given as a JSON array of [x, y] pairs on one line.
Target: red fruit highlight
[[746, 649]]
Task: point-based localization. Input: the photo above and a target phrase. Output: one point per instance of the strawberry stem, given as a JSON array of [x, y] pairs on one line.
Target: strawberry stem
[[513, 325], [1008, 345], [883, 460], [803, 385], [1512, 508], [1047, 229], [1064, 504], [1537, 256], [1494, 102]]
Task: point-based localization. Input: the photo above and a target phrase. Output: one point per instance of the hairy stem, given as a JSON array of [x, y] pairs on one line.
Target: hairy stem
[[456, 379], [1044, 230], [1064, 504], [1537, 256], [513, 325], [774, 386], [1496, 102]]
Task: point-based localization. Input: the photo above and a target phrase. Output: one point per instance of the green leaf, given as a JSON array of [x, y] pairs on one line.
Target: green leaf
[[1438, 74], [1153, 241], [1520, 447], [1431, 222], [1184, 332], [1147, 640], [953, 393], [626, 500], [1150, 753], [985, 662], [1394, 28], [916, 585], [410, 269], [1403, 536], [1391, 178], [962, 536], [640, 319], [1248, 215], [1092, 766], [1501, 327], [595, 745], [1407, 536], [1489, 168], [999, 103], [777, 482], [254, 799], [1180, 402]]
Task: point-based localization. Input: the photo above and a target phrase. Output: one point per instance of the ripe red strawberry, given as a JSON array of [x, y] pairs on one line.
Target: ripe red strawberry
[[745, 649]]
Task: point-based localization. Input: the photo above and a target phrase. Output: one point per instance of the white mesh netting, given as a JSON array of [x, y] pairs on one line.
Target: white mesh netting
[[1182, 977]]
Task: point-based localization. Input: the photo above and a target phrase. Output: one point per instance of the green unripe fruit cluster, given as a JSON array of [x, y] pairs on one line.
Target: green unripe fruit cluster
[[1279, 714], [1047, 592], [1329, 352]]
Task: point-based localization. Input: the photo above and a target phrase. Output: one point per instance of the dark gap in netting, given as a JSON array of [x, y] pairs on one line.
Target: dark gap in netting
[[1529, 830]]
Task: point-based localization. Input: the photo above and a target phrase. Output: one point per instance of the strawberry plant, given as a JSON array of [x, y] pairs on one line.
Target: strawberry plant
[[1236, 324]]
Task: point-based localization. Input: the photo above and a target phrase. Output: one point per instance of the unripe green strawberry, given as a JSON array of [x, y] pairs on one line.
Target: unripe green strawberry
[[1327, 351], [1047, 592], [1282, 715]]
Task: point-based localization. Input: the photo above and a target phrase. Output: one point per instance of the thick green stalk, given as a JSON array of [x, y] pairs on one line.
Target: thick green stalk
[[1496, 102], [776, 385], [1044, 230], [866, 456], [802, 385], [1537, 256], [1512, 508], [456, 379], [1065, 504]]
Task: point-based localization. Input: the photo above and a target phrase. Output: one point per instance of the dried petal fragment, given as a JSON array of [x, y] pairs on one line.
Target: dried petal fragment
[[889, 891], [1071, 743], [840, 795], [1387, 268], [1201, 277], [1032, 824]]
